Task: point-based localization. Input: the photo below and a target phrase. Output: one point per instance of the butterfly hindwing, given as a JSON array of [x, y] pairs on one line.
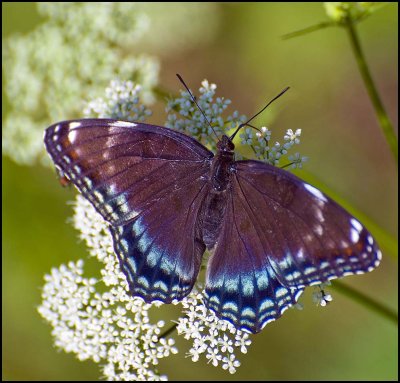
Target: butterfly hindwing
[[160, 251], [241, 285]]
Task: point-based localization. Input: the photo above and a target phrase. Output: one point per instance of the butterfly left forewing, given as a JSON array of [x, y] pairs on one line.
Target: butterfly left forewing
[[148, 183], [120, 166]]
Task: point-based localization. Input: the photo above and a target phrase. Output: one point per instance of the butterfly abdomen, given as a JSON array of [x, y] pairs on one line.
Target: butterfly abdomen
[[214, 204], [213, 213]]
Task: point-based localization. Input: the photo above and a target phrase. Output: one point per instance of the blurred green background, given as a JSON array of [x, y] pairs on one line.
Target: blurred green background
[[348, 158]]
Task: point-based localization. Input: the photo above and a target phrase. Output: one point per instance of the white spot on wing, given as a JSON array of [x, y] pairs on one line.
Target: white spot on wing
[[122, 124], [297, 294], [74, 125], [284, 308], [354, 235], [319, 229], [357, 225], [72, 136], [319, 215], [280, 292], [314, 191], [300, 254]]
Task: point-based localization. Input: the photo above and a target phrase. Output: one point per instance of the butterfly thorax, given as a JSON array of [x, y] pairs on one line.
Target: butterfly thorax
[[215, 202], [222, 164]]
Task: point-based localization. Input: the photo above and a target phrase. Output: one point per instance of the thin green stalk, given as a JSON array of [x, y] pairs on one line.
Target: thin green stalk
[[307, 30], [366, 301], [382, 116]]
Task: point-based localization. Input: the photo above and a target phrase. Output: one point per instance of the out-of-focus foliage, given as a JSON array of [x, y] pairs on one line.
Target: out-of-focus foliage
[[339, 12]]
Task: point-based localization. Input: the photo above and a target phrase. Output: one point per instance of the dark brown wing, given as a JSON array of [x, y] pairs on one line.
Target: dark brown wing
[[279, 235], [148, 182]]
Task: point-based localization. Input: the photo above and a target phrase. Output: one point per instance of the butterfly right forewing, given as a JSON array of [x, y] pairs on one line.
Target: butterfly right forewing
[[319, 240], [280, 235]]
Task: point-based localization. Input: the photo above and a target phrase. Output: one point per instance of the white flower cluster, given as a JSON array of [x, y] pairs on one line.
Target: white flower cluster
[[215, 338], [184, 116], [259, 142], [111, 328], [131, 26], [121, 102]]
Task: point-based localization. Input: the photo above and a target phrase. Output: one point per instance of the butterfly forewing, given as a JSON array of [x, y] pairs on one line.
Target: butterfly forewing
[[148, 182], [315, 238], [121, 166]]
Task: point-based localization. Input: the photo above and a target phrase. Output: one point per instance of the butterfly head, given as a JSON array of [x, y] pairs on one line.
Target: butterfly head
[[225, 144]]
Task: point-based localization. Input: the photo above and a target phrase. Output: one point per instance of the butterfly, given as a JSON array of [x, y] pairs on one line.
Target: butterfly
[[167, 199]]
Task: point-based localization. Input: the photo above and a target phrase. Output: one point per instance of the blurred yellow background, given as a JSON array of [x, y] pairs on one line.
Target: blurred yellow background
[[348, 156]]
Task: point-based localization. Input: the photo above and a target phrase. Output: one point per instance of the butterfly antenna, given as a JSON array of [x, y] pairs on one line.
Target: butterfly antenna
[[262, 110], [194, 100]]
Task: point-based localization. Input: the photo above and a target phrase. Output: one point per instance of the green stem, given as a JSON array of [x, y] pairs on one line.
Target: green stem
[[307, 30], [366, 301], [382, 116]]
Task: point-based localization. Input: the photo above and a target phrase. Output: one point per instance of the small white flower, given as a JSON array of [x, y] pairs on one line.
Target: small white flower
[[213, 356], [226, 344], [230, 363], [194, 353], [292, 137], [242, 340], [247, 136]]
